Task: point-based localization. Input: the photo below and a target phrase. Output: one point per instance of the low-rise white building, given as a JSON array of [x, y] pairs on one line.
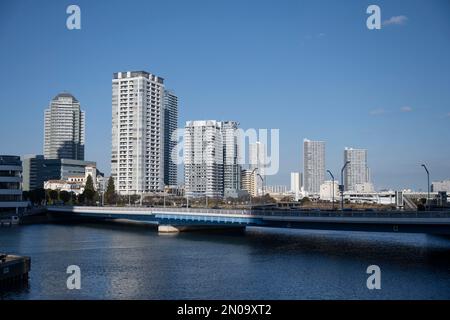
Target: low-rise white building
[[441, 186], [76, 183], [326, 190], [365, 187], [63, 185], [386, 197]]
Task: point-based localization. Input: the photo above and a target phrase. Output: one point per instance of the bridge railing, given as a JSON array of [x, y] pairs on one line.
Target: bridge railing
[[356, 214], [276, 213]]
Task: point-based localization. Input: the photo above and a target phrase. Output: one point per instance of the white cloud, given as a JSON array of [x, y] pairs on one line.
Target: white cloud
[[406, 109], [377, 112], [396, 20]]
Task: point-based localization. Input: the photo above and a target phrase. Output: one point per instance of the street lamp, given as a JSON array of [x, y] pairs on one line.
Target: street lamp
[[332, 187], [341, 187], [164, 196], [262, 184], [428, 185]]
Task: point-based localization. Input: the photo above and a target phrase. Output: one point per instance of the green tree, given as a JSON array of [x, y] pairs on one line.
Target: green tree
[[64, 196], [305, 200], [110, 194], [38, 195], [53, 195], [89, 190], [80, 198]]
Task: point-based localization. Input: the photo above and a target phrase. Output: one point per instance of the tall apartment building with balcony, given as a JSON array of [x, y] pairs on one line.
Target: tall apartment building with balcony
[[11, 184], [211, 157], [170, 137], [313, 165], [137, 159], [356, 172], [248, 182], [203, 159], [64, 132], [231, 157]]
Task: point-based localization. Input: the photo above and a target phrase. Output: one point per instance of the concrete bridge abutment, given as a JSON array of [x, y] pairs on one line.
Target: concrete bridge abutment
[[173, 229]]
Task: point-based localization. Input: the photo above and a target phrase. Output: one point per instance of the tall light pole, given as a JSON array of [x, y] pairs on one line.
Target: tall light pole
[[262, 183], [341, 187], [332, 187], [428, 185]]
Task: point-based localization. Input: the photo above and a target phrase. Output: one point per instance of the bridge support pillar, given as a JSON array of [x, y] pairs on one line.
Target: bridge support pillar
[[167, 229], [163, 228]]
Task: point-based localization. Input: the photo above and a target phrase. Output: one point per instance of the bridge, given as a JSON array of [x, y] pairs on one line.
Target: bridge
[[179, 219]]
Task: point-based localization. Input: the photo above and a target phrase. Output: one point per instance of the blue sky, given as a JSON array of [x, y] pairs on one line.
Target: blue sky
[[310, 68]]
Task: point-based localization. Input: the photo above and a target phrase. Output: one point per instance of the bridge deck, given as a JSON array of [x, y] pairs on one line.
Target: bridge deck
[[393, 221]]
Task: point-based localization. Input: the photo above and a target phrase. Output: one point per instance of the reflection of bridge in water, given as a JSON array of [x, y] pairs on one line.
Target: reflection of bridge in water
[[176, 219]]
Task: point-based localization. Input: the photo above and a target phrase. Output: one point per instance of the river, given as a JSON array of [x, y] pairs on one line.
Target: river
[[133, 262]]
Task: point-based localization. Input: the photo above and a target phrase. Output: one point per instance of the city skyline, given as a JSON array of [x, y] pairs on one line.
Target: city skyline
[[390, 128]]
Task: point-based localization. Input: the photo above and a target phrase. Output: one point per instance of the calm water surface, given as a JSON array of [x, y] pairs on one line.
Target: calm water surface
[[132, 262]]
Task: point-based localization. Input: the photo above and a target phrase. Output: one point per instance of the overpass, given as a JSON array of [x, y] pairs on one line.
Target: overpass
[[178, 219]]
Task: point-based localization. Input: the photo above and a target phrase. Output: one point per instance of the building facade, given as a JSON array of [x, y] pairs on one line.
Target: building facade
[[441, 186], [76, 181], [258, 161], [37, 170], [365, 187], [357, 171], [326, 191], [11, 184], [296, 182], [313, 165], [231, 155], [170, 138], [248, 182], [203, 159], [64, 128], [137, 158]]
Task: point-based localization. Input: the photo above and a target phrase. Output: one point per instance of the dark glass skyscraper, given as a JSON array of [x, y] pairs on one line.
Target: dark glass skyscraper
[[170, 128]]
